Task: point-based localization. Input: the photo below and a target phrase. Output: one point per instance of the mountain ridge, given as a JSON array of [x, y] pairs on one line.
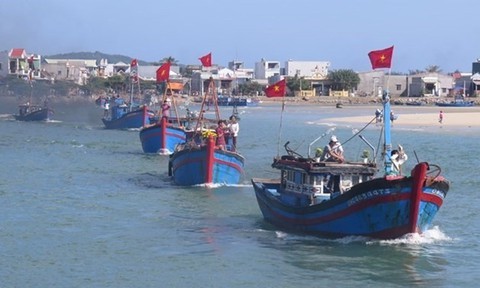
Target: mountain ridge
[[97, 55]]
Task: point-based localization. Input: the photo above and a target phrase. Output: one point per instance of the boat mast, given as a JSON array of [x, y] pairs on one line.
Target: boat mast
[[211, 89], [174, 104], [134, 79], [387, 148]]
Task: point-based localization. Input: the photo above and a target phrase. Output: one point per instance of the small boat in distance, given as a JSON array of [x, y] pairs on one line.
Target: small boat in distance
[[458, 102], [236, 101], [333, 200], [27, 112]]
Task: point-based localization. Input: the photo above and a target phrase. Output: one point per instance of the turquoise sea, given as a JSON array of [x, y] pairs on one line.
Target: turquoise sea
[[81, 206]]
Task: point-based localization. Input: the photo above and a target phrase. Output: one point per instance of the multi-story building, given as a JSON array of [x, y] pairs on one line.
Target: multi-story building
[[266, 69], [314, 70]]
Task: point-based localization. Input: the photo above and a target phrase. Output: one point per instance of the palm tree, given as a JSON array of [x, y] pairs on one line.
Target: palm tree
[[433, 69], [169, 59]]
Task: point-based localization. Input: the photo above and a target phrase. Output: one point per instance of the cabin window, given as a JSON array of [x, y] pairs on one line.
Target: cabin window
[[305, 178], [355, 179], [290, 176]]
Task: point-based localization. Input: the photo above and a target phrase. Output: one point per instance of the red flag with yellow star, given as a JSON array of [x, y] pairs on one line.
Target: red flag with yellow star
[[276, 90], [381, 58], [163, 73], [206, 60]]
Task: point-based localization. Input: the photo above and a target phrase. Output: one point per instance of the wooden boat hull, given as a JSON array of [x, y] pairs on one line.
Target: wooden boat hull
[[379, 208], [42, 114], [206, 164], [133, 119], [161, 138]]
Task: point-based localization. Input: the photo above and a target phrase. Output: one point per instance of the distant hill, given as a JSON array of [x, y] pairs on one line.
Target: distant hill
[[97, 56]]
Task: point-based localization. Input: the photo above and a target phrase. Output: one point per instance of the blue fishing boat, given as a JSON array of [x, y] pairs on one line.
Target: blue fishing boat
[[203, 158], [332, 200], [193, 164], [123, 116], [120, 115], [162, 137], [458, 102], [237, 101]]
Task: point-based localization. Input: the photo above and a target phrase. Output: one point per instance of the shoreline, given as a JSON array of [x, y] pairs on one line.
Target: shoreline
[[420, 116]]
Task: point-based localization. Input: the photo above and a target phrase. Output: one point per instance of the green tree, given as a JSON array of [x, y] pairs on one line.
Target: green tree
[[294, 84], [250, 88], [433, 69], [415, 72], [172, 60], [343, 79]]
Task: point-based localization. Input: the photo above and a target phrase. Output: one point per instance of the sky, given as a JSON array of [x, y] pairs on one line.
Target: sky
[[342, 32]]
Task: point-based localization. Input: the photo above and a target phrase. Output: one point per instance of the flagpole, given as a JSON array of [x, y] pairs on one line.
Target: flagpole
[[280, 126]]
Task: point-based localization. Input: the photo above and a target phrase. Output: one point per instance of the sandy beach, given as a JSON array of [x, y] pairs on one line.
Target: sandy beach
[[461, 117]]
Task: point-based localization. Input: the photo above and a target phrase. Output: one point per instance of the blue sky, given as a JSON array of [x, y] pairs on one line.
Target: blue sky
[[424, 32]]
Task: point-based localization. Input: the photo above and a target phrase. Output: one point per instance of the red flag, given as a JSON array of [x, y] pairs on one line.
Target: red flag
[[381, 58], [206, 60], [276, 90], [163, 73], [134, 63]]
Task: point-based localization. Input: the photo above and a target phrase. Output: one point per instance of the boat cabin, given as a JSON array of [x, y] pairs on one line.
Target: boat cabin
[[308, 182]]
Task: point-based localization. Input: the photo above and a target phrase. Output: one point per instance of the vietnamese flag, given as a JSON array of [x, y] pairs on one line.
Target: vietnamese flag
[[163, 73], [381, 58], [276, 90], [206, 60], [134, 63]]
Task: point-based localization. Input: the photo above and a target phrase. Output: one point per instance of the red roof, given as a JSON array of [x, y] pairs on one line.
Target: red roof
[[17, 53]]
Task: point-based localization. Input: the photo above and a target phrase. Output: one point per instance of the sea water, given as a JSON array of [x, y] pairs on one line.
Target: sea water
[[82, 206]]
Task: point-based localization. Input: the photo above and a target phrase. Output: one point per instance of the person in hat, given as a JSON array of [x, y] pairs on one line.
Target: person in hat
[[333, 151], [398, 157]]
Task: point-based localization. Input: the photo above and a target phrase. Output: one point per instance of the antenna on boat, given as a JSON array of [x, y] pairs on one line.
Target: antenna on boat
[[320, 137], [387, 146], [369, 145]]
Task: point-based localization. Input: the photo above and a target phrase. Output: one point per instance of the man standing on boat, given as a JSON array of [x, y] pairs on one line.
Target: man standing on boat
[[333, 152], [165, 110], [234, 128]]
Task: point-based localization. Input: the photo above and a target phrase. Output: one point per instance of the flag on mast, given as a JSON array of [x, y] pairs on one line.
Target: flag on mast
[[163, 73], [276, 90], [381, 58], [134, 70], [206, 60]]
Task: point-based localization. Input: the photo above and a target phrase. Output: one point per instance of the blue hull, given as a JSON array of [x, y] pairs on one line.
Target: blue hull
[[239, 102], [377, 208], [153, 142], [134, 119], [190, 167], [463, 104]]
